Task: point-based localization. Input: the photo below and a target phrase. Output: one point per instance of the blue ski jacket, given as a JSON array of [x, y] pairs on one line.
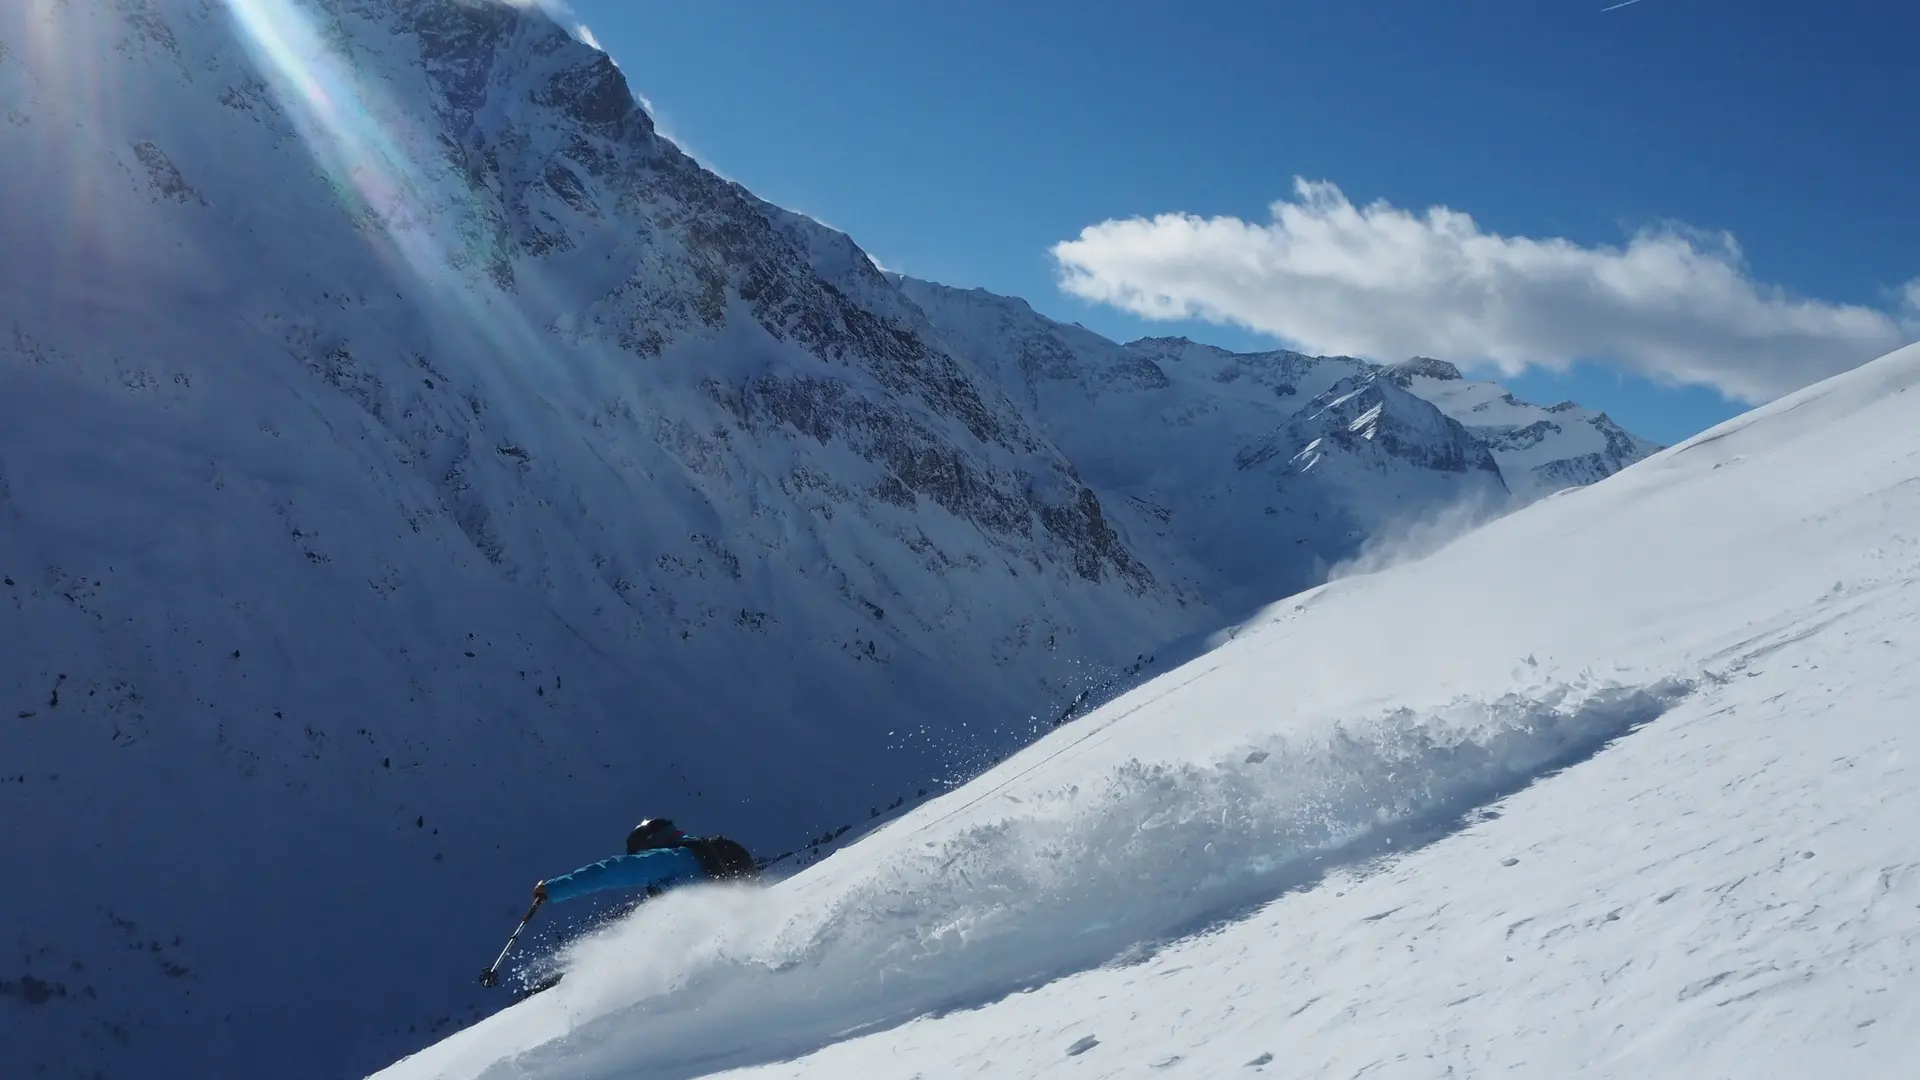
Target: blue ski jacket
[[659, 867]]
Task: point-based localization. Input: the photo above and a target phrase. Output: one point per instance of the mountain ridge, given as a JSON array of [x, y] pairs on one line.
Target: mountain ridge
[[1174, 425]]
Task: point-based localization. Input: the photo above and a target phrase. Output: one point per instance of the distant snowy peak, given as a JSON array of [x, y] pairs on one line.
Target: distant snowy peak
[[1536, 449], [1176, 349], [1280, 372], [1264, 469], [1541, 449], [1425, 367], [1373, 419], [1027, 353]]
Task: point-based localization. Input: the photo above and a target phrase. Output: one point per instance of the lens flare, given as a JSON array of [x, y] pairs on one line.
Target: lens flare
[[390, 171], [62, 104], [347, 126]]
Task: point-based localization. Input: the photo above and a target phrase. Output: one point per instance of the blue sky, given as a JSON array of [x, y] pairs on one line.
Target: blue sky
[[966, 142]]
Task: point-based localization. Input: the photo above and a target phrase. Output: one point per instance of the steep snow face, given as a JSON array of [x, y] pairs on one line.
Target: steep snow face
[[1620, 785], [413, 469], [1273, 468]]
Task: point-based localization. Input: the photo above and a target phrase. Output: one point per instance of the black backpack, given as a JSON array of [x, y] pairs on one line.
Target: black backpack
[[721, 858]]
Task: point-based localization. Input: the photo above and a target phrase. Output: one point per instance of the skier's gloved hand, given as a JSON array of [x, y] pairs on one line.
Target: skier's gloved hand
[[540, 893]]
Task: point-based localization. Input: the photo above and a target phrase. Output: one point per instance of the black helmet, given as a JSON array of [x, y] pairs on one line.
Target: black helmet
[[653, 833]]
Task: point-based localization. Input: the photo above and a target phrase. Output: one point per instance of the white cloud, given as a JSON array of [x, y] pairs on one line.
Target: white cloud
[[585, 34], [1377, 281]]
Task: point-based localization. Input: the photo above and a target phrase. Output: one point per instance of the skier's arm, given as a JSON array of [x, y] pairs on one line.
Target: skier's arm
[[657, 867]]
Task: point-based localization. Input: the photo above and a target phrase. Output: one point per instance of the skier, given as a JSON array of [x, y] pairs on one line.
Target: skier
[[659, 856]]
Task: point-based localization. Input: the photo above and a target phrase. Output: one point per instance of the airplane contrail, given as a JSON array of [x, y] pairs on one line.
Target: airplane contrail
[[1617, 7]]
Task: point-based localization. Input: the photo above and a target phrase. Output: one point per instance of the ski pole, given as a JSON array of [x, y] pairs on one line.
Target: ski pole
[[491, 976]]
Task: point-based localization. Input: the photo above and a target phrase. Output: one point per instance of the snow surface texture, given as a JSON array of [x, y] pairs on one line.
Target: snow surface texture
[[1273, 469], [1620, 785], [412, 469]]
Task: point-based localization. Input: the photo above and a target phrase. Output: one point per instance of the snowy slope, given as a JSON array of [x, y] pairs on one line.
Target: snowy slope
[[1621, 785], [1246, 462], [412, 469]]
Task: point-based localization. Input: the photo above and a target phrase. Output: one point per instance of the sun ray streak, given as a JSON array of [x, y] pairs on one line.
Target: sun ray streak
[[345, 125], [389, 172]]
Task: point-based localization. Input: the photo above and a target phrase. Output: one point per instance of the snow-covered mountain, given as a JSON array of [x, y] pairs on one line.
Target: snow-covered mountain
[[1270, 467], [412, 469], [1620, 785], [1541, 449]]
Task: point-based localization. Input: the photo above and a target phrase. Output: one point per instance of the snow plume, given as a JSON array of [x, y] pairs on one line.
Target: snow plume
[[1674, 305], [562, 13], [1416, 537], [957, 906]]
